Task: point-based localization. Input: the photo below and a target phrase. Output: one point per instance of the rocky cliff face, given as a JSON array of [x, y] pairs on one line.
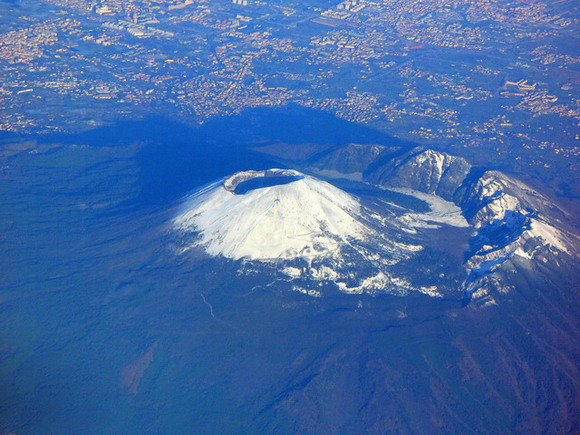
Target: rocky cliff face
[[509, 218], [352, 158], [427, 171]]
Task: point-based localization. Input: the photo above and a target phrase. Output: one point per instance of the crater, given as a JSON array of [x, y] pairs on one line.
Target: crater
[[246, 181]]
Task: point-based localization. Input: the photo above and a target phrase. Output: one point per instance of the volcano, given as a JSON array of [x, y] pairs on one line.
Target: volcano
[[273, 214]]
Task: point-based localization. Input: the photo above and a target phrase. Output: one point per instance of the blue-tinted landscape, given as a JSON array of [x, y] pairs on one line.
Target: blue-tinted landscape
[[347, 217]]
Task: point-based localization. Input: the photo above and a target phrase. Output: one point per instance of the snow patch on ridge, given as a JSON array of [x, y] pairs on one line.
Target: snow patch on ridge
[[550, 235], [442, 211]]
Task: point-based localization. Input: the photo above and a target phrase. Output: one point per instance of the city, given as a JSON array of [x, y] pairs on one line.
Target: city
[[439, 73]]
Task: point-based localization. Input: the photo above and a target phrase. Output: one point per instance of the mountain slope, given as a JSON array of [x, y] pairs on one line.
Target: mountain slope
[[312, 234], [271, 222], [508, 217]]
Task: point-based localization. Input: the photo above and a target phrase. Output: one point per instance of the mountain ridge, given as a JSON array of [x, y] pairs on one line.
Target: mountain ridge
[[509, 218]]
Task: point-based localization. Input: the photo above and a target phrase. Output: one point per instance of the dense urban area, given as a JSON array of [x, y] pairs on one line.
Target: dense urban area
[[477, 77]]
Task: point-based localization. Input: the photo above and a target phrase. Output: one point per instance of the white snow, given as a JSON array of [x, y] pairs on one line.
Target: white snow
[[292, 272], [432, 291], [442, 211], [496, 209], [309, 292], [434, 160], [324, 273], [524, 254], [380, 281], [304, 218], [549, 234], [406, 246]]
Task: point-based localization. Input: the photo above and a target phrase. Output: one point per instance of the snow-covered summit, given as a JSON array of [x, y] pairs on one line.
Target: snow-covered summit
[[273, 214], [314, 236]]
